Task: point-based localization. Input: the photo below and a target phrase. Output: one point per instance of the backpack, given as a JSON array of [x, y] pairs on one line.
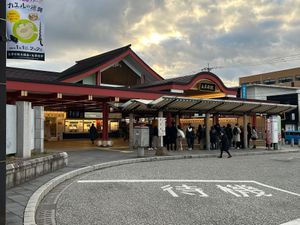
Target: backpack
[[235, 131]]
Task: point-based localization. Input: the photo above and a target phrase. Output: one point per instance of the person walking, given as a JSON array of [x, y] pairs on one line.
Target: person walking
[[228, 132], [173, 137], [155, 137], [236, 136], [190, 136], [199, 133], [213, 138], [224, 145], [254, 136], [180, 137], [249, 131], [93, 133], [149, 125]]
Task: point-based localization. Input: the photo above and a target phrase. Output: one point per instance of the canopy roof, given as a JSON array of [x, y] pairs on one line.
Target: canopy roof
[[185, 104]]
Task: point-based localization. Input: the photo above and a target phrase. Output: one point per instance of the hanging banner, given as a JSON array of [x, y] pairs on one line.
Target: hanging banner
[[25, 29]]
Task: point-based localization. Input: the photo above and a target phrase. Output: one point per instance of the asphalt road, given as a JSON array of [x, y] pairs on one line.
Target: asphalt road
[[261, 189]]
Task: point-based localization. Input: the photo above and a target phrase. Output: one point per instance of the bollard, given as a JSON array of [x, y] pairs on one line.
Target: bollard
[[140, 152], [292, 142], [298, 142]]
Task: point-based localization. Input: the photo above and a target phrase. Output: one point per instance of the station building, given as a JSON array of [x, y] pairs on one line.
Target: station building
[[52, 106]]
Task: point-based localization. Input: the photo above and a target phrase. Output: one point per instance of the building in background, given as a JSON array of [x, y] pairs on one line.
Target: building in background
[[288, 78], [278, 94]]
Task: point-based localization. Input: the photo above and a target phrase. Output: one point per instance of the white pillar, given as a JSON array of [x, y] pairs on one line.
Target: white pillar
[[207, 135], [39, 128], [23, 129], [298, 112], [131, 131], [245, 131], [161, 138]]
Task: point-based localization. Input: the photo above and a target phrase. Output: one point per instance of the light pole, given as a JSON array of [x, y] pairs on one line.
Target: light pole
[[2, 111]]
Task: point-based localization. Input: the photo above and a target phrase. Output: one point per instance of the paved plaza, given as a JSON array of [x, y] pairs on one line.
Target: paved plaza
[[246, 165]]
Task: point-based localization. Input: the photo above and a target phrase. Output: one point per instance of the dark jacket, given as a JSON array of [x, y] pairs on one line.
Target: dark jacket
[[224, 142], [173, 133], [93, 133], [190, 134]]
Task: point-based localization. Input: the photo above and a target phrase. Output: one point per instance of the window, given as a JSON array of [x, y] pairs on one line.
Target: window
[[269, 81], [297, 77], [256, 82], [285, 79]]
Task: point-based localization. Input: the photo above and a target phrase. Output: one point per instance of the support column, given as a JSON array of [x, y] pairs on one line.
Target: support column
[[254, 120], [105, 123], [98, 78], [131, 131], [207, 135], [2, 112], [39, 128], [161, 138], [245, 131], [23, 129], [215, 119]]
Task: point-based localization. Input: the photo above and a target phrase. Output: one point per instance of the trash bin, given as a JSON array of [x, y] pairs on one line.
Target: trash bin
[[140, 139]]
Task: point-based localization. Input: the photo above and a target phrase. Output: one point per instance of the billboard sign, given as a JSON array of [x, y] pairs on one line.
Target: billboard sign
[[25, 29]]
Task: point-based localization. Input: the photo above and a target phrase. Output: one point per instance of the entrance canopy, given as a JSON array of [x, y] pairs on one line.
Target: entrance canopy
[[197, 105]]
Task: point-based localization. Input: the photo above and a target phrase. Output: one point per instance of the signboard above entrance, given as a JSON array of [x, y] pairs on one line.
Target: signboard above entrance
[[207, 87]]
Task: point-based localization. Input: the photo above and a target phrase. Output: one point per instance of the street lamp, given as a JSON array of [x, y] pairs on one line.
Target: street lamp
[[2, 111]]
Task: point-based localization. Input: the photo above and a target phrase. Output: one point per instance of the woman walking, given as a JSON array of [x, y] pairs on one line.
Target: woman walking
[[254, 136]]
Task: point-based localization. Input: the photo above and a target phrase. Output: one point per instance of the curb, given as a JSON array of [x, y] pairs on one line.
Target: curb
[[41, 192]]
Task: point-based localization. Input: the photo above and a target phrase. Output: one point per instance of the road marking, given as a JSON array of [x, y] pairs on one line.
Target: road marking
[[293, 222], [164, 180], [189, 181], [275, 188]]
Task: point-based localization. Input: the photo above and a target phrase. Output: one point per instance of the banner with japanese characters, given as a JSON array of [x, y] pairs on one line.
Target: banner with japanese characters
[[25, 29]]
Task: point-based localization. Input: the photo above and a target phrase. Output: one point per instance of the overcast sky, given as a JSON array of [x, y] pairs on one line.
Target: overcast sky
[[175, 37]]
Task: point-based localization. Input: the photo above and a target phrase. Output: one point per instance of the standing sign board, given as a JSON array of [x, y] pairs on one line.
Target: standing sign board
[[161, 126], [25, 29], [274, 126]]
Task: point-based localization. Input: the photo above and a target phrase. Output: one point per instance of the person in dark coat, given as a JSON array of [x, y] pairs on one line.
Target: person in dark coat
[[190, 136], [213, 138], [199, 133], [173, 137], [93, 133], [224, 145], [229, 134], [249, 132]]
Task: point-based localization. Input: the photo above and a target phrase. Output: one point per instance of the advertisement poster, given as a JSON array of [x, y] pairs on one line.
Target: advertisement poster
[[25, 29]]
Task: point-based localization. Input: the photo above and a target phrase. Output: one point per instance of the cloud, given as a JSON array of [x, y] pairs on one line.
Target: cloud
[[175, 37]]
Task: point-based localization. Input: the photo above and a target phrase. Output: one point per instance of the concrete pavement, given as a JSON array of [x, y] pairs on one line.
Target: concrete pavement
[[18, 197]]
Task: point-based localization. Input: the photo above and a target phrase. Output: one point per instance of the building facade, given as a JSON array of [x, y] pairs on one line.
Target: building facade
[[288, 78], [65, 105]]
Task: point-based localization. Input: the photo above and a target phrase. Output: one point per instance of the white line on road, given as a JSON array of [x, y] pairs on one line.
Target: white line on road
[[188, 181], [275, 188], [293, 222], [164, 180]]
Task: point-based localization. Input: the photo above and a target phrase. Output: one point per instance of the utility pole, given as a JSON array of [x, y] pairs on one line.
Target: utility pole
[[2, 111]]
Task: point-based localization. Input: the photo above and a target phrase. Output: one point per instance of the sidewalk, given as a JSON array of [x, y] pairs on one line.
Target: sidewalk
[[17, 197]]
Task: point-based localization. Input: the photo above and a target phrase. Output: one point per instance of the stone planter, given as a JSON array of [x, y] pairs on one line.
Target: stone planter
[[25, 170]]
